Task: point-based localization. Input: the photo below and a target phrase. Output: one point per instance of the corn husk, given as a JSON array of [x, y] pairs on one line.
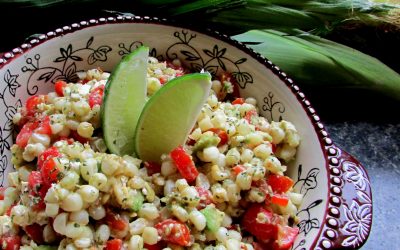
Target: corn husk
[[314, 61]]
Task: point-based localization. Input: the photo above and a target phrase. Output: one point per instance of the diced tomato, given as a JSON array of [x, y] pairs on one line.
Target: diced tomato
[[223, 136], [152, 167], [287, 236], [32, 102], [279, 183], [35, 181], [115, 221], [250, 115], [47, 154], [8, 211], [273, 148], [37, 189], [74, 134], [258, 246], [114, 244], [266, 229], [35, 232], [205, 197], [157, 246], [96, 96], [280, 199], [174, 232], [2, 189], [238, 169], [25, 133], [163, 79], [59, 87], [50, 172], [183, 161], [44, 127], [239, 101], [10, 242]]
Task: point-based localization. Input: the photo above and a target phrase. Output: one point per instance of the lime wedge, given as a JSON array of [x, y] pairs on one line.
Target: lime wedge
[[170, 114], [123, 101]]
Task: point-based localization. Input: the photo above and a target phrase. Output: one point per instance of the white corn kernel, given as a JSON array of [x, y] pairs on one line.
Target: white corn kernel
[[60, 223], [88, 193], [150, 235], [180, 213], [70, 180], [85, 129], [198, 220], [168, 168], [52, 209], [72, 203], [135, 243], [98, 180], [262, 151], [20, 215], [81, 217], [243, 180], [137, 226], [210, 154], [102, 233], [148, 211], [83, 242], [40, 138], [222, 234], [97, 212], [49, 235]]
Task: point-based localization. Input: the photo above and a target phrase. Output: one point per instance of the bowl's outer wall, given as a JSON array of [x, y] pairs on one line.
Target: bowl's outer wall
[[36, 70]]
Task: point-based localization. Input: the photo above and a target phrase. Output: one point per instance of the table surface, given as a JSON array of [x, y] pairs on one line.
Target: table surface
[[360, 126]]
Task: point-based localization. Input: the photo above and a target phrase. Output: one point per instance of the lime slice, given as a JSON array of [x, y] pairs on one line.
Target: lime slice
[[123, 101], [170, 114]]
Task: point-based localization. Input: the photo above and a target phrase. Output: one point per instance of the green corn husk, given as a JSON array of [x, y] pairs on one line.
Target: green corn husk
[[314, 61]]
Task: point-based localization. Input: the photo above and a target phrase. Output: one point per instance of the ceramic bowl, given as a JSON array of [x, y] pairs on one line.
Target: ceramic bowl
[[337, 207]]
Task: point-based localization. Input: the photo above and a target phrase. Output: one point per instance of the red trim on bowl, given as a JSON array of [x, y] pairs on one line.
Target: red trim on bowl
[[335, 231]]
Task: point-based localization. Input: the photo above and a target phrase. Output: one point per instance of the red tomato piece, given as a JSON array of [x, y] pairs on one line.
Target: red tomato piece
[[239, 101], [44, 127], [250, 115], [205, 197], [163, 79], [279, 183], [223, 136], [287, 236], [273, 148], [265, 230], [35, 232], [59, 87], [8, 211], [96, 96], [10, 242], [47, 154], [174, 232], [116, 222], [77, 137], [183, 161], [38, 189], [114, 244], [33, 101], [280, 199], [157, 246], [50, 172], [152, 167], [238, 169], [35, 181], [25, 133], [2, 189]]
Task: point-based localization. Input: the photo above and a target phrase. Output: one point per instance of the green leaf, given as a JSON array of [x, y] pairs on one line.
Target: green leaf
[[311, 60]]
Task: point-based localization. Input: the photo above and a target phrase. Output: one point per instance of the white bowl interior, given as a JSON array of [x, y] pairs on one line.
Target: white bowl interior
[[103, 46]]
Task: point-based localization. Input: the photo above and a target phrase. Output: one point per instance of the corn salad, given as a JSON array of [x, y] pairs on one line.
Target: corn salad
[[224, 189]]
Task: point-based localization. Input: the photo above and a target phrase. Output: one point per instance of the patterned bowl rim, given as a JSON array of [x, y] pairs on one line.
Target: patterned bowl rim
[[329, 235]]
